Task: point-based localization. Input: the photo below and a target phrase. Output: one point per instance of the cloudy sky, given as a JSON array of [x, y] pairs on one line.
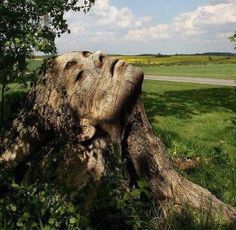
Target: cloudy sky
[[152, 26]]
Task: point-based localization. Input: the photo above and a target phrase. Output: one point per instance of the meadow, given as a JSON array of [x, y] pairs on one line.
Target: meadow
[[197, 123], [215, 71], [179, 59], [218, 67]]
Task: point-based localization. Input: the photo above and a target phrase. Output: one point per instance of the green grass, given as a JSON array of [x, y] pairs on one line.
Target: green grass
[[220, 67], [34, 64], [217, 71], [197, 121], [15, 88]]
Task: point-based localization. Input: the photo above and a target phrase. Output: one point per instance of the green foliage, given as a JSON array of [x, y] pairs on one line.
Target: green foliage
[[27, 26], [233, 39], [119, 205], [15, 97], [111, 204], [36, 207]]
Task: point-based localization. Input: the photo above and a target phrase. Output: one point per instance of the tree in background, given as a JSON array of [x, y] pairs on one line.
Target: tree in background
[[233, 39], [28, 26]]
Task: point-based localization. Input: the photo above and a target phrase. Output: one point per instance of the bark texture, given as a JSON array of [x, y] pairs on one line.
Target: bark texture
[[85, 107], [149, 159]]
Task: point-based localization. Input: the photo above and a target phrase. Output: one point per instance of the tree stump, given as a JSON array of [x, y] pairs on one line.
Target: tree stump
[[84, 106]]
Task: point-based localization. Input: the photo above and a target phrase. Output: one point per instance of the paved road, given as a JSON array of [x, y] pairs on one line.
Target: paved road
[[207, 81]]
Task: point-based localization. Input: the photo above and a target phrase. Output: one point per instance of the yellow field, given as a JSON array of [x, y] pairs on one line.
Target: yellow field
[[221, 67], [179, 59]]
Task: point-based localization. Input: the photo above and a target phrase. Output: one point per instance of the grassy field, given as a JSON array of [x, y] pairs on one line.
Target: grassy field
[[221, 67], [36, 63], [216, 71], [198, 122], [179, 59]]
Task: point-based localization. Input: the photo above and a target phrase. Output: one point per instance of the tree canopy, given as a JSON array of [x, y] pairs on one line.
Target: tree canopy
[[28, 26], [233, 39]]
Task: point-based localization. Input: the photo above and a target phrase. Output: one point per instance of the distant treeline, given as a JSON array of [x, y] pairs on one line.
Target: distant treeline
[[216, 54], [163, 55], [196, 54], [155, 55]]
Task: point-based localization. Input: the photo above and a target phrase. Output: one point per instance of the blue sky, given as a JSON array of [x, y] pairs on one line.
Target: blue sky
[[152, 26]]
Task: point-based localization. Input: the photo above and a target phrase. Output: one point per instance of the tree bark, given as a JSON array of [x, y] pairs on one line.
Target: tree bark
[[149, 159]]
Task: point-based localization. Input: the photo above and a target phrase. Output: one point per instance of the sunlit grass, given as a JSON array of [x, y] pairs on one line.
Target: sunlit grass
[[197, 121], [220, 71], [221, 67]]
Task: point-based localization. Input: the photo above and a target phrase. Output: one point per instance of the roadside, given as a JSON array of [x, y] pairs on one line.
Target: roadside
[[209, 81]]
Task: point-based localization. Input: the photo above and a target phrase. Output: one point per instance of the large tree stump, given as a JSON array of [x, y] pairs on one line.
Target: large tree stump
[[84, 106]]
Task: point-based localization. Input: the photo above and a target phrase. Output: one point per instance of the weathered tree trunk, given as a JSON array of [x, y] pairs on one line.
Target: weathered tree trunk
[[149, 159]]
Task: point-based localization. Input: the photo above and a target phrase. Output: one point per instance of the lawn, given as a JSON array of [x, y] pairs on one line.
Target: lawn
[[198, 122], [216, 71], [219, 67], [34, 64]]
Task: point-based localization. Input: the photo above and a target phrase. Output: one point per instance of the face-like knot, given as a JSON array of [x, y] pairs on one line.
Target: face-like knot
[[98, 88]]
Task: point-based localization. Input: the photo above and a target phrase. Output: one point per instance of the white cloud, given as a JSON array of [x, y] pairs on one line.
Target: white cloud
[[190, 24], [105, 23], [215, 14], [158, 32], [112, 16]]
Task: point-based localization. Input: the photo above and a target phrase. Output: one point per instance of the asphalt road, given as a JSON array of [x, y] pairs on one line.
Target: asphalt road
[[208, 81]]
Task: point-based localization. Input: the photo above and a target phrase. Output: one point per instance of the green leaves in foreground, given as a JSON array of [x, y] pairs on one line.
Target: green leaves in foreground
[[36, 206]]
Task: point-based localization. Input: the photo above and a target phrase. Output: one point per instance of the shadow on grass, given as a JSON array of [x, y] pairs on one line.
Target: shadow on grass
[[186, 103]]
